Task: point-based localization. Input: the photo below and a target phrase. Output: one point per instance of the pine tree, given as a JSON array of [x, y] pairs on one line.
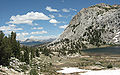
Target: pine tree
[[37, 53], [15, 45], [5, 50], [32, 53], [26, 55]]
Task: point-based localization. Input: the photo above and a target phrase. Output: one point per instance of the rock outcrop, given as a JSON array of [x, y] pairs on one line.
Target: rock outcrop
[[93, 26]]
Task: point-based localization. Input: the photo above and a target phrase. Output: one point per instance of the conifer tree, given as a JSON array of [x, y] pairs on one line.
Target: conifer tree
[[26, 55], [37, 53], [15, 45]]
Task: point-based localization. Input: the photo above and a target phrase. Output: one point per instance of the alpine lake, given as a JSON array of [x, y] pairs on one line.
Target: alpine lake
[[107, 51]]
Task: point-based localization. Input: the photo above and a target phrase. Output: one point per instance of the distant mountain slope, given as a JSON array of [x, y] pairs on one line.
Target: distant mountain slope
[[93, 26], [32, 42]]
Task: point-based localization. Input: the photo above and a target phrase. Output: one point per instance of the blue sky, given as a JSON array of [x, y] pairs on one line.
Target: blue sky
[[41, 19]]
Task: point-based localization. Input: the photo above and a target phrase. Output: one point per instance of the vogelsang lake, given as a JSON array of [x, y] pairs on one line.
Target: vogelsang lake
[[107, 51]]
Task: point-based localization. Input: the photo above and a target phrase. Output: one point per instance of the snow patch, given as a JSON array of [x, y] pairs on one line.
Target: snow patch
[[71, 70], [102, 72]]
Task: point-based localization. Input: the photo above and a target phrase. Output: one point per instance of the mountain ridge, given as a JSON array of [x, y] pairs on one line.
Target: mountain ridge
[[33, 42], [93, 26]]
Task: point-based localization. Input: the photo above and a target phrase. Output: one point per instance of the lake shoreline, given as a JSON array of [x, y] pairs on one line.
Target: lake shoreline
[[102, 46]]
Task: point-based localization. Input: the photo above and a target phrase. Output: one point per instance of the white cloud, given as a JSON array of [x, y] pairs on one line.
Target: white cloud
[[7, 32], [12, 25], [65, 10], [68, 10], [59, 15], [37, 28], [10, 28], [22, 36], [25, 34], [73, 9], [53, 21], [51, 10], [43, 37], [63, 27], [28, 18], [39, 32], [21, 21], [51, 16]]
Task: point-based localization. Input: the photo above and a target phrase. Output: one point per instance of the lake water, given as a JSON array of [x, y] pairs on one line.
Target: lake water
[[113, 51]]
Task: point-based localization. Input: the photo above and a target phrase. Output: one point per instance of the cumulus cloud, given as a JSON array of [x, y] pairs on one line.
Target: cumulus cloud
[[65, 10], [51, 16], [22, 36], [51, 10], [39, 28], [68, 10], [39, 32], [63, 27], [25, 34], [53, 21], [28, 18], [9, 29]]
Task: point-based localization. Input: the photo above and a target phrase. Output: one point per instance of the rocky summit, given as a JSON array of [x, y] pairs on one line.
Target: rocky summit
[[91, 27]]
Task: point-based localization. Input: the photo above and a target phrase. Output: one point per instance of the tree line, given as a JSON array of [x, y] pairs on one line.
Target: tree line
[[10, 47]]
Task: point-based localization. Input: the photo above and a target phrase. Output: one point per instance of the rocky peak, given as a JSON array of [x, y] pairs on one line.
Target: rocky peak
[[116, 5], [95, 25], [103, 5]]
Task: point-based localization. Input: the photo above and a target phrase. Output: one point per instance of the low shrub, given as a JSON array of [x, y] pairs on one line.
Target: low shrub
[[33, 72], [110, 66]]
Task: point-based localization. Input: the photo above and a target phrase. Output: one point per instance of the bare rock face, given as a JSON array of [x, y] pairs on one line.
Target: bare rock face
[[93, 26], [9, 71]]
